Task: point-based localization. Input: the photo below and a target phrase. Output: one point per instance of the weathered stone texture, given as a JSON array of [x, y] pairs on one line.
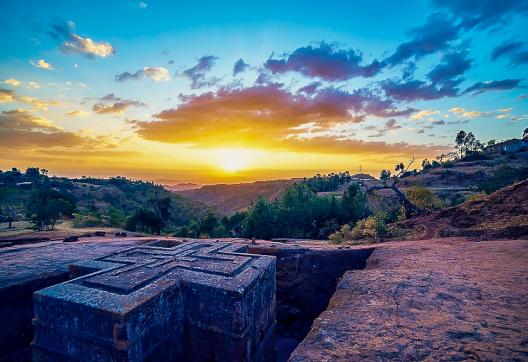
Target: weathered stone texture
[[307, 275], [445, 299], [25, 269], [197, 301]]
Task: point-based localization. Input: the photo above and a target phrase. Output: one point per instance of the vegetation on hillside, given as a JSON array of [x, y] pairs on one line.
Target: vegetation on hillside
[[299, 213], [299, 209], [326, 183], [92, 202]]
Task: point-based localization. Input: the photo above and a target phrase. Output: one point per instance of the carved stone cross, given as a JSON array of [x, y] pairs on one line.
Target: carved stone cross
[[196, 301]]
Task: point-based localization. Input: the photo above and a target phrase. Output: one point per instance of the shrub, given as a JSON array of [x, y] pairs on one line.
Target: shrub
[[476, 156], [182, 232], [87, 220], [373, 227], [477, 196], [341, 235], [423, 198], [144, 221], [116, 217], [458, 199]]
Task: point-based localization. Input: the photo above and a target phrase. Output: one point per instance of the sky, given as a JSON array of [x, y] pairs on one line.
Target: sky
[[235, 91]]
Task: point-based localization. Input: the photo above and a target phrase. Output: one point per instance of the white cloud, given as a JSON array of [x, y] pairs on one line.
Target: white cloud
[[12, 81], [156, 74], [24, 120], [88, 47], [457, 110], [41, 63], [472, 114], [501, 116], [6, 96], [38, 103], [33, 85], [465, 113], [423, 114], [77, 113], [505, 110]]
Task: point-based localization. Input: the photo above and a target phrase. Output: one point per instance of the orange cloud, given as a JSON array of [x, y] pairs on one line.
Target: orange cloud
[[271, 117]]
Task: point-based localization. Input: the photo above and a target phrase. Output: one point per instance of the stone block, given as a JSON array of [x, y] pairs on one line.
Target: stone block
[[197, 301]]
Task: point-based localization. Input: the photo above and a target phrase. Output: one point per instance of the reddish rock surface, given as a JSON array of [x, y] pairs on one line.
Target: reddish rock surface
[[440, 299]]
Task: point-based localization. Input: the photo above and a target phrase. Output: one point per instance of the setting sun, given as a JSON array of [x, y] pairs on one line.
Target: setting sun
[[232, 160]]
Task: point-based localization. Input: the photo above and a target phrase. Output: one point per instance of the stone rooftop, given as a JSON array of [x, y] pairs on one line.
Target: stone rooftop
[[195, 301], [416, 300]]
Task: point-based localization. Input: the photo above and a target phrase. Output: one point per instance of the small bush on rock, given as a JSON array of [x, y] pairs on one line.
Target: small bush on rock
[[372, 228], [341, 235], [424, 198]]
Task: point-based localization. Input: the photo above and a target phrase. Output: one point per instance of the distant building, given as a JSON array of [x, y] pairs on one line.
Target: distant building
[[510, 146]]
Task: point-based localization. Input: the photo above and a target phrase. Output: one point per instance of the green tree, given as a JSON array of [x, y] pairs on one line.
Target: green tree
[[466, 143], [46, 207], [426, 165], [145, 221], [234, 225], [32, 173], [11, 205], [116, 217], [460, 143], [385, 176], [261, 220], [354, 204], [208, 224]]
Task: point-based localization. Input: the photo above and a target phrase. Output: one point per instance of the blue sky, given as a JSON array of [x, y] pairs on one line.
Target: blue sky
[[124, 83]]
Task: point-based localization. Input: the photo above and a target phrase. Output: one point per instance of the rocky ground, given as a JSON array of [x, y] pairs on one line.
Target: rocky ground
[[439, 299], [501, 215], [307, 272], [23, 233]]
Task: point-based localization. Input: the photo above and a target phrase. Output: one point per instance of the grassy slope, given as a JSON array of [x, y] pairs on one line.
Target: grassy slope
[[464, 176], [236, 197], [99, 196], [503, 214]]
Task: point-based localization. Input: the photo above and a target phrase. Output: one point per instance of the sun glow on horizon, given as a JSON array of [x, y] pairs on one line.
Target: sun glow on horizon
[[233, 159]]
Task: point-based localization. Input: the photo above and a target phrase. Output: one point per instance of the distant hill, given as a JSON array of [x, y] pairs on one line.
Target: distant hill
[[98, 202], [229, 198], [182, 187], [130, 196], [456, 180]]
